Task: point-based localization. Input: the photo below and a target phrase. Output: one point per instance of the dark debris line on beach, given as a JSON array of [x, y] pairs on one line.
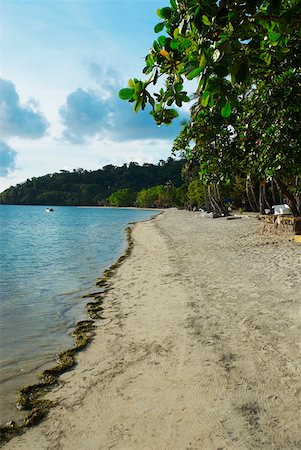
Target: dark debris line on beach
[[30, 398]]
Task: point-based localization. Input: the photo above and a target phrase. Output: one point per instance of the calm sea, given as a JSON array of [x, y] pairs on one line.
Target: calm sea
[[48, 261]]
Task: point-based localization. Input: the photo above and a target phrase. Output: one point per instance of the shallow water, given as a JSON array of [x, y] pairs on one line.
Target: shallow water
[[48, 261]]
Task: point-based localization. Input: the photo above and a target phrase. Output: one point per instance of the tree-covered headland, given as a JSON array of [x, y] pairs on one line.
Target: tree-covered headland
[[242, 59], [111, 185]]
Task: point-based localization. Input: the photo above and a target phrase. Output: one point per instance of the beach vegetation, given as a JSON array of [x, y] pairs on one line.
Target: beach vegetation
[[148, 198], [122, 197], [180, 196], [237, 65], [196, 194], [162, 196]]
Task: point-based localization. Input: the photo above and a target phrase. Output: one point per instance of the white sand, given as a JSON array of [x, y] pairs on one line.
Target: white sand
[[199, 349]]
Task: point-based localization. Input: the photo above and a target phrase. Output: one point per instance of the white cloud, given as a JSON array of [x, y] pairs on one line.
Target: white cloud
[[83, 115], [7, 159], [19, 120]]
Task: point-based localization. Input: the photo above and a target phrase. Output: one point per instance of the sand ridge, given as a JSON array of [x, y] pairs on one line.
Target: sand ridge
[[199, 348]]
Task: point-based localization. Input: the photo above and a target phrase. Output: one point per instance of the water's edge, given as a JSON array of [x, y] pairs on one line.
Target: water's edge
[[30, 398]]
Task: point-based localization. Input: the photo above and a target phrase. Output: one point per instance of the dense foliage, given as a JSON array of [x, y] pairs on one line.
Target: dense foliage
[[122, 197], [243, 59], [162, 196], [82, 187]]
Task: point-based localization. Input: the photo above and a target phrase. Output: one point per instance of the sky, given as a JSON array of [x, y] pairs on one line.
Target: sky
[[62, 63]]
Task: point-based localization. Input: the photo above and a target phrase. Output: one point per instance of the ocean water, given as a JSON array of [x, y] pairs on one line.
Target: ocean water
[[48, 261]]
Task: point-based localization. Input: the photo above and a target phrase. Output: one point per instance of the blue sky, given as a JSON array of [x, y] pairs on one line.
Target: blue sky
[[62, 64]]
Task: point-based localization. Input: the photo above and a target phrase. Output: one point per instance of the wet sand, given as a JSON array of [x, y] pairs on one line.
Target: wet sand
[[199, 348]]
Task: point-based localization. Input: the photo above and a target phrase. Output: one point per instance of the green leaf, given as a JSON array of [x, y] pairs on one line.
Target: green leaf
[[226, 110], [147, 70], [191, 65], [274, 36], [178, 87], [164, 13], [203, 61], [138, 87], [194, 73], [206, 21], [159, 27], [267, 57], [149, 60], [173, 4], [172, 113], [205, 98], [178, 102], [174, 44], [162, 40], [176, 33], [156, 46], [126, 93], [185, 44], [138, 104]]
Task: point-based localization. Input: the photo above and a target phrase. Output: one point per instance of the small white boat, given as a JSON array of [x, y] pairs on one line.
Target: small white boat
[[49, 209]]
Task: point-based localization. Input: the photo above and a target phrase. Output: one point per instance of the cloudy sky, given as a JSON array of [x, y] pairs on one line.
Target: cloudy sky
[[62, 64]]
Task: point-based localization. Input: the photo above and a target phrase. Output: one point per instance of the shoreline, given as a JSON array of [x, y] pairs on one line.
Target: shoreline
[[189, 320], [29, 401]]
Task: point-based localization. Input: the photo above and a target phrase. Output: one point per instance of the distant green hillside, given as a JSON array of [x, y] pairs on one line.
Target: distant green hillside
[[83, 187]]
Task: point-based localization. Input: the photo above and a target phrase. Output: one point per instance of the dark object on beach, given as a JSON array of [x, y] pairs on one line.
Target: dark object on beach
[[233, 218]]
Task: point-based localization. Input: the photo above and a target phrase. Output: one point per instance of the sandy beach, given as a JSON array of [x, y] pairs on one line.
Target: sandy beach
[[199, 348]]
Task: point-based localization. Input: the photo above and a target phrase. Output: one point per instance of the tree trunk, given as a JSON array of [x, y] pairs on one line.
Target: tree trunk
[[265, 198], [279, 192], [273, 191], [248, 196], [298, 196], [216, 201], [291, 199], [261, 209], [214, 207], [254, 197]]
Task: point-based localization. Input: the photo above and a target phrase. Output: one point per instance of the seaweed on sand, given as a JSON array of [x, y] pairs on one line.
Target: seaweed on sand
[[30, 398], [108, 273]]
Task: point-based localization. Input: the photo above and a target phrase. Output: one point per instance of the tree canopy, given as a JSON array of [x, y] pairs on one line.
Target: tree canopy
[[122, 197], [242, 59]]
